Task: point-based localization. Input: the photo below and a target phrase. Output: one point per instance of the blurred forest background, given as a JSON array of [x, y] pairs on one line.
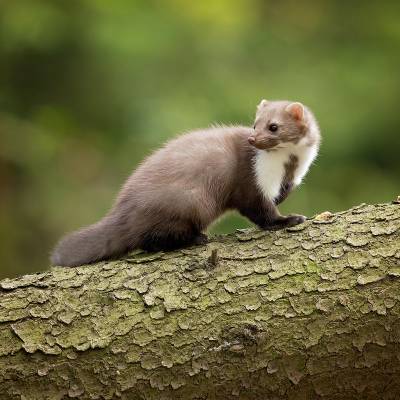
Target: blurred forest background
[[88, 88]]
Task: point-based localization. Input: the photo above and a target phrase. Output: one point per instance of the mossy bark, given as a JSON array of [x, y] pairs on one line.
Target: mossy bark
[[307, 313]]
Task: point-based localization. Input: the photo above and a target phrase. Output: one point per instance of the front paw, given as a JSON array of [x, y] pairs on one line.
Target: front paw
[[294, 219], [285, 222]]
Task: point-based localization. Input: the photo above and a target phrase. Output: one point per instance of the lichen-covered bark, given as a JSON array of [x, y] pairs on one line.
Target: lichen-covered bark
[[307, 313]]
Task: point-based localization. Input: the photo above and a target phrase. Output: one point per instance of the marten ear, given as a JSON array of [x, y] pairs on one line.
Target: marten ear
[[296, 110], [263, 103]]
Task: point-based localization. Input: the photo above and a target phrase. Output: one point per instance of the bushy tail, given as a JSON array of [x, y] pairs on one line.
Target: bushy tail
[[102, 240]]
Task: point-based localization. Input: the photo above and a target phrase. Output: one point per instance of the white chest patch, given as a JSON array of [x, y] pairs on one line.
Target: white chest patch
[[270, 167]]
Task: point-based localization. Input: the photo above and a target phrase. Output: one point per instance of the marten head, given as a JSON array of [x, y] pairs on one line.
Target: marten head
[[279, 123]]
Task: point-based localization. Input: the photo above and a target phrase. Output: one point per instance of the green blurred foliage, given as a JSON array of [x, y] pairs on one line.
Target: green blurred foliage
[[88, 88]]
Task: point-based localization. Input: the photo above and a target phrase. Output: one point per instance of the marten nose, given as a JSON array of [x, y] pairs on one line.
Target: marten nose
[[252, 140]]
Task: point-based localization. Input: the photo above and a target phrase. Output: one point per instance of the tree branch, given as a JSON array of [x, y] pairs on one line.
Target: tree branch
[[306, 313]]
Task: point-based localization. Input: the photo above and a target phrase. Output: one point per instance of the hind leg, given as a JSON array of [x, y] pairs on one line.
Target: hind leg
[[175, 237], [200, 239]]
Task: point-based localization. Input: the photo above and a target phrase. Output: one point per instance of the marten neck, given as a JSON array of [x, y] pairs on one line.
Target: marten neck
[[271, 167]]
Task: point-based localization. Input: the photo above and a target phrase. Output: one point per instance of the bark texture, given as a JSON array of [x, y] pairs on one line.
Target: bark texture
[[311, 312]]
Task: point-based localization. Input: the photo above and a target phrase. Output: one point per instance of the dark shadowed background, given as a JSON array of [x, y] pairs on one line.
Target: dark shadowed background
[[88, 88]]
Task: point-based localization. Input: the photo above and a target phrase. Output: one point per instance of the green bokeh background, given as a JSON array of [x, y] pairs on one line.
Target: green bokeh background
[[88, 88]]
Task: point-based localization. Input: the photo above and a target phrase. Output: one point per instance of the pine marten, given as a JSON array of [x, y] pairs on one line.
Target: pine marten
[[177, 192]]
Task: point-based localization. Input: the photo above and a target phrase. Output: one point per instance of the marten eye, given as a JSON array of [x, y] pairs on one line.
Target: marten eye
[[273, 127]]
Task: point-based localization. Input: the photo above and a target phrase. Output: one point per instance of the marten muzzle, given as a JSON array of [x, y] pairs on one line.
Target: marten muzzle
[[263, 141]]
